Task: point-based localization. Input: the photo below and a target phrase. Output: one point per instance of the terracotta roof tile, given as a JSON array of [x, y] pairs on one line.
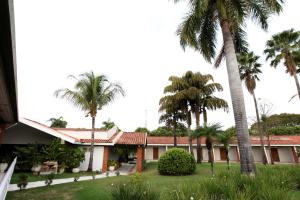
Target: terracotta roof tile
[[132, 138]]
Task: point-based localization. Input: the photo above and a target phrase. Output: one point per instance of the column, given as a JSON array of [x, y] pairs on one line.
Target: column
[[105, 159], [295, 154], [139, 162], [237, 154]]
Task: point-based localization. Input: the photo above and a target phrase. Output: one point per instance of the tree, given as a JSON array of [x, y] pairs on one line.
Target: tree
[[107, 125], [285, 46], [91, 93], [210, 133], [249, 68], [167, 131], [225, 138], [142, 130], [173, 114], [198, 30], [58, 122]]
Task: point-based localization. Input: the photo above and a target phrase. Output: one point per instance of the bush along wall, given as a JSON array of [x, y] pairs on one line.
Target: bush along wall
[[176, 162]]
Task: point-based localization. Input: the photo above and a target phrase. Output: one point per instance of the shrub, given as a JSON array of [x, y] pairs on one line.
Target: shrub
[[134, 189], [74, 156], [176, 162], [49, 179], [274, 183], [22, 181]]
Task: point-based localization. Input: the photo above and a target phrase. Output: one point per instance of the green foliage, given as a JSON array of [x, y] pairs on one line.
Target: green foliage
[[107, 125], [176, 162], [268, 184], [134, 189], [142, 130], [58, 122], [22, 181], [28, 155], [54, 151], [114, 163], [283, 130], [167, 131], [74, 155], [283, 119], [49, 179]]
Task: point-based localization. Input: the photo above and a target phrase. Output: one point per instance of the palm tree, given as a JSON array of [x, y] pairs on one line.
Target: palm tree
[[285, 46], [58, 122], [210, 132], [173, 114], [195, 91], [225, 138], [249, 70], [91, 92], [198, 30]]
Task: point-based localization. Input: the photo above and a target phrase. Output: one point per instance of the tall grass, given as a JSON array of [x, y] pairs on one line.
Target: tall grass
[[270, 183]]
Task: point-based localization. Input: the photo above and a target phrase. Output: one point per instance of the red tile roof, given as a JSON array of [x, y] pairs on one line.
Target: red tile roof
[[132, 138], [275, 140]]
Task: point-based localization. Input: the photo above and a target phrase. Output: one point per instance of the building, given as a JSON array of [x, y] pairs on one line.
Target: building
[[149, 148]]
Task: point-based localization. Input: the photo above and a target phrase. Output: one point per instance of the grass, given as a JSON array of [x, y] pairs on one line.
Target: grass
[[31, 177], [100, 189]]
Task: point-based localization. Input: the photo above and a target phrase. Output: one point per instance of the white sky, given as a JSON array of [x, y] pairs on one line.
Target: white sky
[[132, 42]]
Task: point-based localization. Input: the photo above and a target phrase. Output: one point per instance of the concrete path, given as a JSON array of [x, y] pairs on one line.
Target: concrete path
[[126, 169]]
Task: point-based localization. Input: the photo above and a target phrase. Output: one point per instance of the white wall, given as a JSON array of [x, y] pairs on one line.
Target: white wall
[[257, 154], [232, 154], [149, 153], [97, 158], [217, 153], [285, 154]]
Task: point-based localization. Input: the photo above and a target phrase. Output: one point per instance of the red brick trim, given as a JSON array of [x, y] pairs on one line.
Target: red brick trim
[[139, 162], [105, 159]]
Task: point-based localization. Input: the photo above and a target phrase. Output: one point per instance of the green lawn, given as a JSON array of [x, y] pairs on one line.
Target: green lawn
[[31, 177], [100, 189]]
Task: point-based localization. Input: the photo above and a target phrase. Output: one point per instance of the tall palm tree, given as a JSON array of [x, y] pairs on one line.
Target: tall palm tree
[[225, 138], [173, 114], [210, 133], [91, 92], [58, 122], [198, 30], [285, 46], [249, 68]]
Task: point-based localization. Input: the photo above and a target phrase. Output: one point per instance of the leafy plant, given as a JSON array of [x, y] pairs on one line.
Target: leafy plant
[[117, 173], [76, 178], [113, 163], [74, 155], [107, 174], [54, 151], [137, 190], [28, 155], [49, 179], [176, 162], [22, 181]]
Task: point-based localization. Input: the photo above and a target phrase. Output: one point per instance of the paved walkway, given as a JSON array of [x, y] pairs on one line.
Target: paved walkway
[[126, 169]]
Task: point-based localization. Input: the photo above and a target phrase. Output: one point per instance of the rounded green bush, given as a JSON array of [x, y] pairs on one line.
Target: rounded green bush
[[176, 162]]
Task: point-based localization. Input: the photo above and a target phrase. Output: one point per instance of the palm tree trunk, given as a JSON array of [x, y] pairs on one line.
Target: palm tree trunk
[[261, 137], [297, 84], [174, 134], [90, 168], [199, 147], [211, 159], [204, 117], [237, 97], [269, 146], [189, 122], [227, 158]]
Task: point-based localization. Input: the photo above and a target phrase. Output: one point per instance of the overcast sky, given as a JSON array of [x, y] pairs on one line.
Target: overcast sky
[[134, 43]]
